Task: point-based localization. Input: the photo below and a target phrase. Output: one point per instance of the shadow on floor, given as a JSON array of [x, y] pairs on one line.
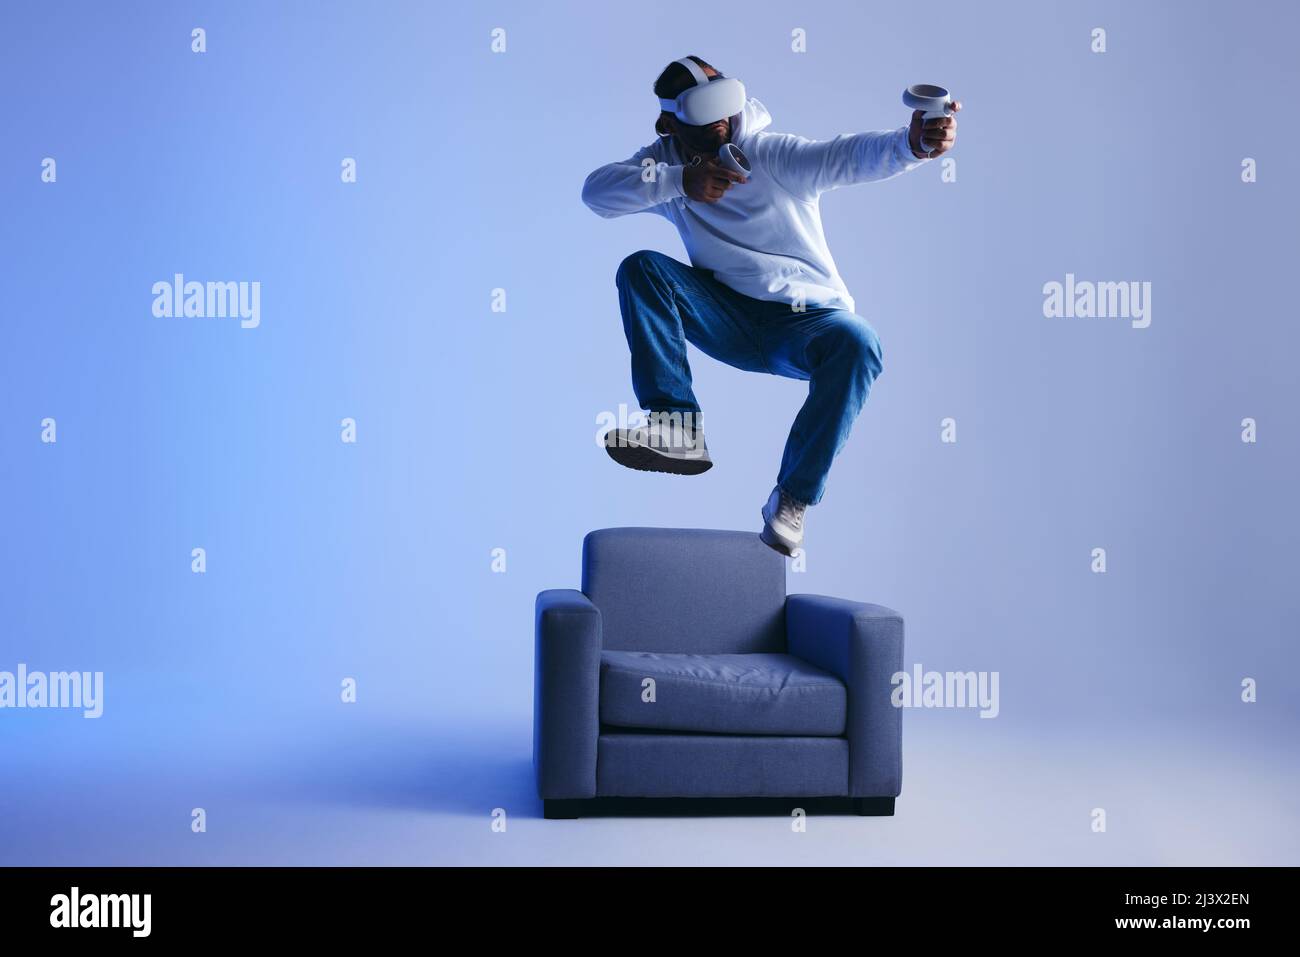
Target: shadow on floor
[[412, 770]]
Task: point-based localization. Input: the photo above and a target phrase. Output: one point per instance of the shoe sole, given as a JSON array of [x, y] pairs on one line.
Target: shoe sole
[[647, 460], [771, 540]]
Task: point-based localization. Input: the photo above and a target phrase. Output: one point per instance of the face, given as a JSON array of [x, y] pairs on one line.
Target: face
[[702, 139], [705, 140]]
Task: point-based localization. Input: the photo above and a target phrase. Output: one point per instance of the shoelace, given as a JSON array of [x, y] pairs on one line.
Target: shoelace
[[790, 511], [654, 433]]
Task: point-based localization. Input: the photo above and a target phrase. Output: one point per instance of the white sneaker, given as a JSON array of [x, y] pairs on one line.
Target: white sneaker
[[664, 444], [782, 522]]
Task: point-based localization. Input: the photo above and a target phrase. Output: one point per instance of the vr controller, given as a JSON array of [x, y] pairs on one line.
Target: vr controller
[[731, 157], [734, 159], [933, 101]]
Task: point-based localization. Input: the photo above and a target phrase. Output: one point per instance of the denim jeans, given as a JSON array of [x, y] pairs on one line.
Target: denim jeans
[[666, 304]]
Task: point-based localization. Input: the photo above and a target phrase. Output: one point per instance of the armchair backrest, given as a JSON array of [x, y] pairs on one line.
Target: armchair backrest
[[685, 590]]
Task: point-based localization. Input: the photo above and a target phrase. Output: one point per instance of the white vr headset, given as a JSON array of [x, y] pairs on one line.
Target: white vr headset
[[708, 100]]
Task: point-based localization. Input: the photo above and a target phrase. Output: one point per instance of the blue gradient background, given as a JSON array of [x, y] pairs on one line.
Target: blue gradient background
[[476, 429]]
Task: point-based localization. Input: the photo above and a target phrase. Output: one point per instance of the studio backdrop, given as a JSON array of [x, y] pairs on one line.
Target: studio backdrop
[[293, 549]]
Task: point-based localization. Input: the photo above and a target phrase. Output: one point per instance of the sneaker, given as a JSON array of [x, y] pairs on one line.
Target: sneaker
[[782, 522], [663, 444]]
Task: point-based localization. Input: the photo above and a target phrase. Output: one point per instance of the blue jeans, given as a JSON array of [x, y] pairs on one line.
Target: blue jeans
[[666, 304]]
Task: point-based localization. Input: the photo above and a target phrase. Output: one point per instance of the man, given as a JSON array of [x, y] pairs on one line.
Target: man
[[762, 292]]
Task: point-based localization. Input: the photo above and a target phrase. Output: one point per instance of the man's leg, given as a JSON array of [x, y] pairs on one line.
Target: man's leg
[[840, 356], [665, 304]]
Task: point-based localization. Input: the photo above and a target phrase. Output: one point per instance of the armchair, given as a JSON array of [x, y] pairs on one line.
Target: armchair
[[683, 670]]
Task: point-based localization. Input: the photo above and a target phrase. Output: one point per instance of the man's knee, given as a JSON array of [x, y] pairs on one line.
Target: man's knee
[[642, 263], [859, 344]]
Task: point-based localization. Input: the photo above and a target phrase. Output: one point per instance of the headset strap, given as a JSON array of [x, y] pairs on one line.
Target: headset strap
[[701, 79]]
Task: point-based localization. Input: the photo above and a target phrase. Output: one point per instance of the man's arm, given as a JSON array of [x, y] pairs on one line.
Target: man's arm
[[632, 186], [807, 167]]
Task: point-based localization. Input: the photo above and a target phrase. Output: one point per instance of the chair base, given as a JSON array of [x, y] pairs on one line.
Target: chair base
[[873, 807], [571, 808]]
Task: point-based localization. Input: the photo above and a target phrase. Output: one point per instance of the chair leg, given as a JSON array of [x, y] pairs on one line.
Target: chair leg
[[874, 807], [561, 809]]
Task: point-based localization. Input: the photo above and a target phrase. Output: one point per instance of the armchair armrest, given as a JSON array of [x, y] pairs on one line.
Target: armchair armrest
[[862, 645], [566, 694]]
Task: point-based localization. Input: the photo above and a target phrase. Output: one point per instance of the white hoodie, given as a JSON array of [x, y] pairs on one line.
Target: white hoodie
[[763, 238]]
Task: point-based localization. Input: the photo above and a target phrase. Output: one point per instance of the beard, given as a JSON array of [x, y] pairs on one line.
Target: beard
[[705, 139]]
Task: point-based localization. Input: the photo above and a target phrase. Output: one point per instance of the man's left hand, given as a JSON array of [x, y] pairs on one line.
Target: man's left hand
[[933, 137]]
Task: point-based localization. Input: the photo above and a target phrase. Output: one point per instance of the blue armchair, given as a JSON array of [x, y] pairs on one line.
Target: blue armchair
[[683, 670]]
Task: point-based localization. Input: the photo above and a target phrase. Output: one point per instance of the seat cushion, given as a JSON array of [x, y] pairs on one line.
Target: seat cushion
[[639, 764], [721, 694]]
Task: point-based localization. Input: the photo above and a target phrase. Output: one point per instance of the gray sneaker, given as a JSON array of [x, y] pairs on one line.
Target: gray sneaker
[[664, 444], [782, 522]]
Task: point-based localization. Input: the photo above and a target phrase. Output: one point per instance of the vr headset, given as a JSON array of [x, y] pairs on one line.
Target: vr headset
[[708, 101]]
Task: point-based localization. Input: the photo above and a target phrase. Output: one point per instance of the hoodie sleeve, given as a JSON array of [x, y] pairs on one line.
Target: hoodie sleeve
[[632, 186], [808, 167]]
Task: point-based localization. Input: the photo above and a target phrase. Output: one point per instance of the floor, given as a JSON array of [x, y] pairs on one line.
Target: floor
[[388, 795]]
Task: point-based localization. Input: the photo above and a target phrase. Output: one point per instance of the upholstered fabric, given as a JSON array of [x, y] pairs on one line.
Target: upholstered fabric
[[566, 677], [694, 591], [863, 645], [737, 712], [699, 765], [720, 694]]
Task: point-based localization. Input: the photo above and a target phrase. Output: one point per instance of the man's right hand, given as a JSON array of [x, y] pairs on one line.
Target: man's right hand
[[709, 181]]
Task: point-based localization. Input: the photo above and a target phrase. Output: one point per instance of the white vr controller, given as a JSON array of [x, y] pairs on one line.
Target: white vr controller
[[933, 101], [733, 159]]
